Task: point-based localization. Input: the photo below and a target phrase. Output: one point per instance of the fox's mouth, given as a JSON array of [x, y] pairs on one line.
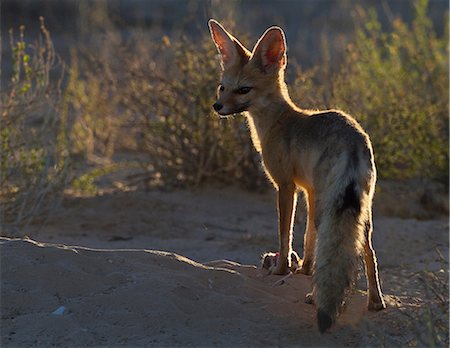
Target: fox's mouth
[[241, 108]]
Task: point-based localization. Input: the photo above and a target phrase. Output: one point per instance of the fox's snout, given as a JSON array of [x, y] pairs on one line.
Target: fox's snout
[[232, 99], [227, 104], [217, 106]]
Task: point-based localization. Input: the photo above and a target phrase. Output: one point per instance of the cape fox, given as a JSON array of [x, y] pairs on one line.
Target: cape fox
[[324, 153]]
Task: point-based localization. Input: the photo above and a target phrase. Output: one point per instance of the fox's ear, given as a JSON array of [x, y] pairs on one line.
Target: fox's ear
[[270, 50], [231, 50]]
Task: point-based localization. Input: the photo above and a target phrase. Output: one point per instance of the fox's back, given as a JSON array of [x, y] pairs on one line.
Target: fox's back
[[330, 128], [317, 143]]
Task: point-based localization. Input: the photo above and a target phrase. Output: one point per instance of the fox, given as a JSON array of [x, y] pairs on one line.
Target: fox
[[324, 154]]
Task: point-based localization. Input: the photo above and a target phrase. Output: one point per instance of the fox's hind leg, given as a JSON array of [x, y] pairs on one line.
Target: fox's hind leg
[[310, 237], [375, 297]]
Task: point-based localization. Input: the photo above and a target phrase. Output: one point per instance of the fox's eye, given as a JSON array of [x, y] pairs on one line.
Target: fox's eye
[[243, 90], [221, 88]]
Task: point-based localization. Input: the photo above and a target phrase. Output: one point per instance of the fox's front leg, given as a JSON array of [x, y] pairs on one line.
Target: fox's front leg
[[287, 201]]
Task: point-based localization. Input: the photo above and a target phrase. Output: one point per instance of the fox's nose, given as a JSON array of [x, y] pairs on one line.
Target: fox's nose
[[217, 106]]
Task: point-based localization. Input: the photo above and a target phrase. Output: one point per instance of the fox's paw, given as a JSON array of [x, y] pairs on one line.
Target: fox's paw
[[309, 298], [375, 306], [295, 262], [306, 268], [271, 262], [268, 260], [279, 269]]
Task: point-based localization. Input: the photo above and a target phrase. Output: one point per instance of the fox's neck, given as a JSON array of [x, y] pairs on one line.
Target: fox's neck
[[266, 110]]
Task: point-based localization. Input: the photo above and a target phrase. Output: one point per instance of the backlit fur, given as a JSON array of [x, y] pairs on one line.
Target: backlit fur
[[324, 153]]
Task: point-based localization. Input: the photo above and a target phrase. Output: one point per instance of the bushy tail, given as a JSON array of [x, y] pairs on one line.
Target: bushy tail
[[340, 243]]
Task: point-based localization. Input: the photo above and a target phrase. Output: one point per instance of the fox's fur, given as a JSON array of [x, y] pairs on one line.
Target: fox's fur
[[325, 153]]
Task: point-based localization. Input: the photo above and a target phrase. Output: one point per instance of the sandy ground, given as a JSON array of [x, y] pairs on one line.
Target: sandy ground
[[92, 276]]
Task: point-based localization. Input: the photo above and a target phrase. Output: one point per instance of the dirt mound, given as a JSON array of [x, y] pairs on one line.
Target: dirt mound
[[65, 296]]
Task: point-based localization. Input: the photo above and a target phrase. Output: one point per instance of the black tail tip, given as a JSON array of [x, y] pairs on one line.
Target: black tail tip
[[324, 320]]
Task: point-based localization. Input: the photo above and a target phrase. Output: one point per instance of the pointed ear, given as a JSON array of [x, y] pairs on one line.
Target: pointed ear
[[231, 51], [270, 50]]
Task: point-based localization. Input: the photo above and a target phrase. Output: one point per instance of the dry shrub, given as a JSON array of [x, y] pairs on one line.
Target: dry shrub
[[186, 141], [92, 99], [159, 94], [33, 154], [396, 84]]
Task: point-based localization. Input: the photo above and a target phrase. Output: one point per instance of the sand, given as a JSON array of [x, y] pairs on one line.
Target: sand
[[138, 269]]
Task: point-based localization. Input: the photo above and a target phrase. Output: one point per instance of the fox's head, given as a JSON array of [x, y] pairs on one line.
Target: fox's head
[[248, 78]]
